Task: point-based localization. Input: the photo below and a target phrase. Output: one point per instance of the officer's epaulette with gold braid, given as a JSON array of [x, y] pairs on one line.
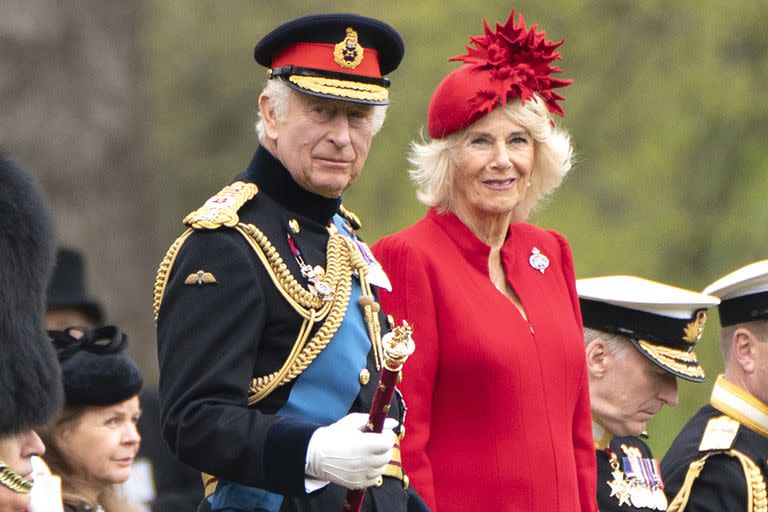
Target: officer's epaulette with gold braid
[[350, 217], [718, 438], [221, 209]]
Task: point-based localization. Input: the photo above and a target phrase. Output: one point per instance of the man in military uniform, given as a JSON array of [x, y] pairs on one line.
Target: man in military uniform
[[639, 337], [718, 461], [269, 329]]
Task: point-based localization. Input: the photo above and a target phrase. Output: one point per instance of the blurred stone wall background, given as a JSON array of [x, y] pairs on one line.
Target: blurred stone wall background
[[72, 111]]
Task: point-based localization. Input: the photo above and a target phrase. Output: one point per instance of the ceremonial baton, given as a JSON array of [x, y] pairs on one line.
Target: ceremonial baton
[[397, 346]]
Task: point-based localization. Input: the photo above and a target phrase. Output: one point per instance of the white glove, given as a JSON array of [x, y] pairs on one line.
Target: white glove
[[343, 454], [46, 491]]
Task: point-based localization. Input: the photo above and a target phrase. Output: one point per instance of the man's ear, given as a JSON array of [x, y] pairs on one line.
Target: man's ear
[[268, 116], [743, 349], [598, 358]]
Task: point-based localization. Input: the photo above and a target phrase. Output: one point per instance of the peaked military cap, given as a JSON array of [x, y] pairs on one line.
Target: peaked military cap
[[96, 370], [30, 379], [336, 56], [663, 322], [67, 287], [743, 294]]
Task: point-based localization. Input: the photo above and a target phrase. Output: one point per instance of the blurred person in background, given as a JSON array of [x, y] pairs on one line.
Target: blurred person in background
[[68, 303], [93, 442], [30, 379], [719, 461], [269, 330], [497, 391], [639, 337], [158, 481]]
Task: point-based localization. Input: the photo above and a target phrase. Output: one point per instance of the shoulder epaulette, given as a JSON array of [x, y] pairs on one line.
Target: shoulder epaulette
[[717, 440], [719, 434], [221, 209], [350, 217]]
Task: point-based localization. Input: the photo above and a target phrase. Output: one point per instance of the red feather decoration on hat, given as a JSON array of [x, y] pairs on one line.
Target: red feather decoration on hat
[[519, 63]]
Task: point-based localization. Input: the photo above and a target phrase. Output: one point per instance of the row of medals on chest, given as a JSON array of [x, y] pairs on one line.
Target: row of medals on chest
[[638, 483]]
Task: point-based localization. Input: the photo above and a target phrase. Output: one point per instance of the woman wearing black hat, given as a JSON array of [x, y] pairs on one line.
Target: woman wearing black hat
[[94, 440], [498, 405]]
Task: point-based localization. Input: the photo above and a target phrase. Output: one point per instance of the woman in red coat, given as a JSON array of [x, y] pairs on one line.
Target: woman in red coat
[[498, 403]]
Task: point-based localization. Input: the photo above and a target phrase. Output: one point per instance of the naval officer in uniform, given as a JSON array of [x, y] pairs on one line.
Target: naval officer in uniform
[[719, 460], [639, 337], [269, 326]]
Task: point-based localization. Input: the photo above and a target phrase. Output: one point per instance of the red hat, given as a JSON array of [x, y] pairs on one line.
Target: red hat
[[511, 62]]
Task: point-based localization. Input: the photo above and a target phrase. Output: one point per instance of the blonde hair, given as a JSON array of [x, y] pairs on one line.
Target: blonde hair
[[72, 480], [433, 166]]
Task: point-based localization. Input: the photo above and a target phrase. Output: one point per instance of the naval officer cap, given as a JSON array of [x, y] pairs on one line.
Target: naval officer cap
[[336, 56], [743, 294], [663, 322]]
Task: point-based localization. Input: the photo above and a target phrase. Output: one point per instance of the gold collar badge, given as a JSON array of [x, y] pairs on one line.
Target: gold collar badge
[[348, 53], [695, 328]]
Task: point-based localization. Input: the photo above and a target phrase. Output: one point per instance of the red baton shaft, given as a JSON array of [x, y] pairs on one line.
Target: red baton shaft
[[397, 346]]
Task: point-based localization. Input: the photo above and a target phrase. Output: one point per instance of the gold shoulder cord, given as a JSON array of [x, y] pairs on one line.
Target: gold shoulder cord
[[756, 491], [343, 259], [13, 481]]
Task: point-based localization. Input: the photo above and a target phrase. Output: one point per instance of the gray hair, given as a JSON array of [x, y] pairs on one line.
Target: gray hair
[[279, 93], [617, 344], [432, 164]]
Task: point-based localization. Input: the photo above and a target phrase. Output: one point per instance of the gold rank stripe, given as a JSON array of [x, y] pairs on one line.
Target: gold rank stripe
[[341, 88], [676, 360], [600, 435], [740, 405]]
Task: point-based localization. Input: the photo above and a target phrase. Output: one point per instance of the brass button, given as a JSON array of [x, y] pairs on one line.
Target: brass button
[[294, 225], [379, 482], [406, 482], [401, 434], [365, 376]]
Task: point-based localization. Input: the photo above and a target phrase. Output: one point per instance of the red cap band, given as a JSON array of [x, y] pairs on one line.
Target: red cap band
[[320, 56]]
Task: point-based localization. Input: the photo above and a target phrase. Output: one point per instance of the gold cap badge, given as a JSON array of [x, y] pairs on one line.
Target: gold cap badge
[[694, 330], [348, 53]]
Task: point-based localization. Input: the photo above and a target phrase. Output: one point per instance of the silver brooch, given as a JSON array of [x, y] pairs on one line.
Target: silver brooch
[[538, 261]]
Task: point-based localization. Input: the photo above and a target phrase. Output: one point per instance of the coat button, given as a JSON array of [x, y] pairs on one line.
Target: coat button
[[294, 225], [365, 376]]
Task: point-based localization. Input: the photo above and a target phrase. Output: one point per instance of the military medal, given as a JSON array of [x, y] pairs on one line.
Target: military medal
[[619, 485], [637, 480], [640, 492], [314, 275], [538, 261]]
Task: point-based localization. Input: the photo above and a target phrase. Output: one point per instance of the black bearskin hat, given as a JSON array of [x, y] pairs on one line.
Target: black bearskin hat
[[30, 376]]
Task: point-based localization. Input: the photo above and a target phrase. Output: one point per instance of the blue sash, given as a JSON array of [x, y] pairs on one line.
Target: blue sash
[[323, 393]]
